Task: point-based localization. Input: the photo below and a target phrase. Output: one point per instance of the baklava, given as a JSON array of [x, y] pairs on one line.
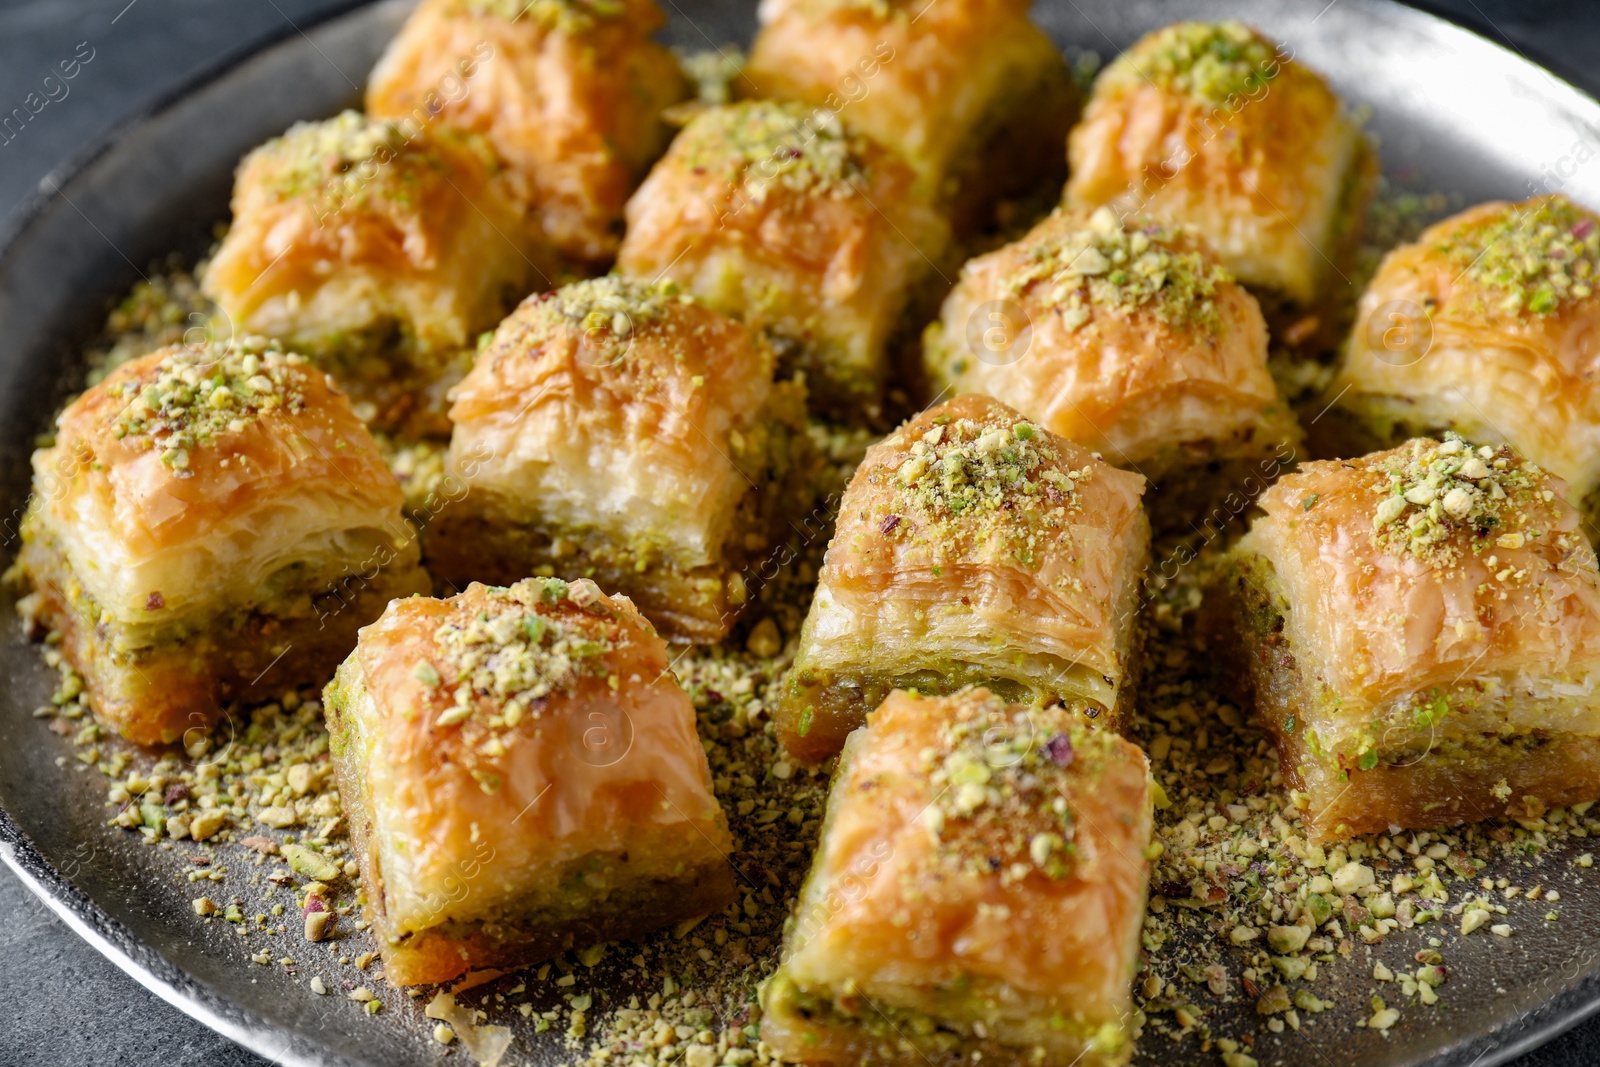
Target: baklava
[[951, 86], [628, 433], [1489, 325], [569, 92], [1421, 630], [381, 253], [973, 546], [522, 776], [211, 524], [1211, 125], [977, 894], [1124, 336], [780, 215]]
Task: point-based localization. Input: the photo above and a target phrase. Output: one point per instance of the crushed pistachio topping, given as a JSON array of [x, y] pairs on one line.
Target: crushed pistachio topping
[[609, 310], [1536, 258], [759, 146], [1437, 488], [1207, 61], [1104, 265], [200, 392], [966, 480], [348, 161], [567, 16], [516, 651], [998, 784]]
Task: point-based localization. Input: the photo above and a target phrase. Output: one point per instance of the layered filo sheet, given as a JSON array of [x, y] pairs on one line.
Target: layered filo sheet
[[522, 776], [1125, 336], [211, 524], [569, 94], [1489, 325], [972, 546], [628, 433], [782, 216], [952, 87], [976, 895], [380, 250], [1212, 126], [1421, 628]]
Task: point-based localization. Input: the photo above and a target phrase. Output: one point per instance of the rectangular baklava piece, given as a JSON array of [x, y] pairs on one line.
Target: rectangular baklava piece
[[1128, 337], [782, 216], [1211, 125], [1485, 325], [627, 433], [952, 86], [569, 93], [976, 896], [379, 250], [212, 523], [972, 546], [1421, 629], [522, 776]]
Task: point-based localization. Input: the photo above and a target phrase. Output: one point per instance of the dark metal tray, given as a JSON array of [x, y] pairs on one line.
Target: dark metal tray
[[1453, 112]]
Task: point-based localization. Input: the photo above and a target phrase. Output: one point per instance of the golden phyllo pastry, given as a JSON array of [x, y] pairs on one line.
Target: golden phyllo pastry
[[211, 524], [380, 251], [972, 546], [952, 86], [976, 896], [778, 215], [1488, 325], [1210, 125], [522, 776], [1127, 337], [1422, 633], [569, 92], [629, 433]]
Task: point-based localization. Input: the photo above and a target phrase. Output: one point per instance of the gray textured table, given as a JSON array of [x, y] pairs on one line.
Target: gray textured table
[[67, 1004]]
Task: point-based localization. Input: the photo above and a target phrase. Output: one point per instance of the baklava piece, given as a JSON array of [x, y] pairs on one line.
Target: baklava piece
[[1123, 336], [211, 524], [1210, 125], [976, 896], [972, 547], [1488, 325], [628, 433], [1422, 633], [522, 777], [569, 92], [379, 252], [776, 214], [952, 86]]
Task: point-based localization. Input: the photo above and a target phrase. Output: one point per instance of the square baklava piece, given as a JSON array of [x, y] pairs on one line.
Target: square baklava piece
[[783, 217], [1125, 336], [1211, 125], [212, 523], [627, 433], [976, 896], [1486, 325], [1421, 630], [952, 86], [522, 777], [379, 251], [569, 92], [973, 546]]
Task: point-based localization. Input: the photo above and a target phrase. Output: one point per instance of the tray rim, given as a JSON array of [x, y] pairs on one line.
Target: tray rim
[[252, 1031]]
